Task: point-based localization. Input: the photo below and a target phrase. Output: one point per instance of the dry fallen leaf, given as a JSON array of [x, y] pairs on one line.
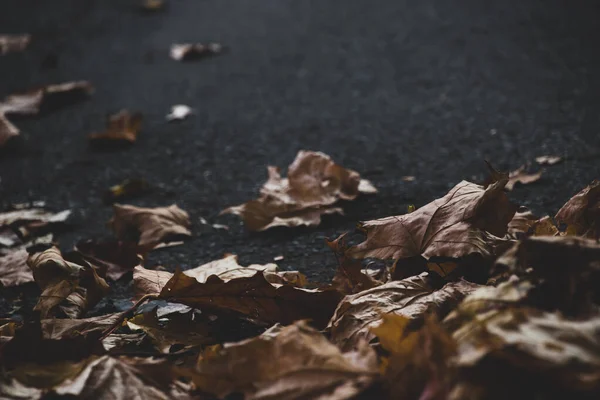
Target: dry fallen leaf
[[121, 128], [114, 257], [13, 43], [411, 298], [68, 288], [349, 277], [32, 221], [254, 297], [521, 176], [293, 362], [314, 184], [582, 212], [227, 268], [418, 364], [14, 270], [194, 51], [36, 100], [468, 220], [57, 328], [548, 160], [179, 112], [153, 226]]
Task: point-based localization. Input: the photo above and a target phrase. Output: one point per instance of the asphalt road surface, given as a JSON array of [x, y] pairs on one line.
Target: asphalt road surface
[[389, 88]]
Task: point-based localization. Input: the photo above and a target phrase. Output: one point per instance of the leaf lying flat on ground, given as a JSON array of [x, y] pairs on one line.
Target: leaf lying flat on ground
[[59, 328], [30, 221], [227, 268], [153, 225], [121, 128], [116, 258], [68, 288], [582, 212], [314, 184], [14, 270], [13, 43], [293, 362], [33, 101], [254, 297], [411, 298], [521, 176], [194, 51], [468, 220]]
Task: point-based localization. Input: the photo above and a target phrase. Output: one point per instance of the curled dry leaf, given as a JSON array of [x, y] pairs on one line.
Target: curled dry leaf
[[13, 43], [114, 258], [525, 223], [290, 362], [582, 212], [121, 128], [349, 277], [153, 226], [126, 189], [418, 364], [412, 298], [548, 160], [179, 112], [57, 328], [227, 268], [194, 51], [521, 176], [254, 297], [468, 220], [68, 288], [36, 100], [314, 184]]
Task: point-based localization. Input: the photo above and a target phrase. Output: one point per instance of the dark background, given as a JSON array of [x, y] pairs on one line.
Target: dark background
[[388, 88]]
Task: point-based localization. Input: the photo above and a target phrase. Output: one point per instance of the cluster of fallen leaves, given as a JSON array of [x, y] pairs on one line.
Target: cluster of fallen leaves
[[479, 300]]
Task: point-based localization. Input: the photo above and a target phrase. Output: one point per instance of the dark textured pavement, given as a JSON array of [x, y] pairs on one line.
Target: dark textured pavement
[[389, 88]]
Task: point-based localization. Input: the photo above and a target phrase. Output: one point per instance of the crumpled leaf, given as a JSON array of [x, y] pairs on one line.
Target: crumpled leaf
[[33, 101], [186, 329], [126, 189], [418, 364], [68, 288], [59, 328], [349, 277], [114, 257], [121, 128], [582, 212], [254, 297], [548, 160], [412, 298], [293, 362], [314, 184], [179, 112], [521, 176], [13, 43], [194, 51], [468, 220], [227, 268], [153, 225]]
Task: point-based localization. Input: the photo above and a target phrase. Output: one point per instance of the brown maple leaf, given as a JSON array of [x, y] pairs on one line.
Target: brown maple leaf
[[314, 184], [468, 220], [36, 100], [289, 362], [121, 128], [582, 212], [69, 287], [114, 257], [153, 226], [194, 51], [13, 43], [254, 297], [521, 176], [412, 298]]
